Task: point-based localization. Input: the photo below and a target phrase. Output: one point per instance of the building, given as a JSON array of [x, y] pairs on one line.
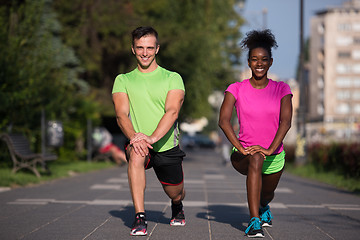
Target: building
[[334, 73]]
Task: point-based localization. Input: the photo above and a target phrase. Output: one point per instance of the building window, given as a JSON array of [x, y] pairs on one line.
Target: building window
[[356, 68], [343, 95], [344, 27], [356, 95], [320, 83], [343, 82], [320, 109], [343, 108], [356, 82], [344, 41], [343, 68], [356, 108], [321, 55], [356, 54], [357, 40], [344, 54], [321, 28], [356, 27]]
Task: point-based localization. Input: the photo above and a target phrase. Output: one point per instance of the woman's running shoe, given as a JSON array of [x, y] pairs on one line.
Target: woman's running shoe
[[254, 229], [265, 216]]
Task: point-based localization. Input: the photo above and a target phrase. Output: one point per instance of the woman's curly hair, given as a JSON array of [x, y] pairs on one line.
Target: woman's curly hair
[[264, 39]]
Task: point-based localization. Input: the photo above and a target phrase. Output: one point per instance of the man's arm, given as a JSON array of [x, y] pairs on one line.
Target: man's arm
[[173, 103], [122, 109]]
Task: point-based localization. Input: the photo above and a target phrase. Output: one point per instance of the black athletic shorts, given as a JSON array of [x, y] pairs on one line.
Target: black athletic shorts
[[167, 165]]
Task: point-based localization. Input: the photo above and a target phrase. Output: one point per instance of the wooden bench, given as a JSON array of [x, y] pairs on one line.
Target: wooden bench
[[21, 154]]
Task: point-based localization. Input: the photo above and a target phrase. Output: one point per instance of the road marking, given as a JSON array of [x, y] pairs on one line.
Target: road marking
[[117, 180], [104, 202], [106, 186], [4, 189], [213, 176]]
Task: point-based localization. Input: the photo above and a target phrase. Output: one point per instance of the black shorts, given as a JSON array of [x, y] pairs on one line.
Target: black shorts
[[167, 165]]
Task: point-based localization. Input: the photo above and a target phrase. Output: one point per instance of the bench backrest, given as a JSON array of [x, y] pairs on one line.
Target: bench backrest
[[19, 144]]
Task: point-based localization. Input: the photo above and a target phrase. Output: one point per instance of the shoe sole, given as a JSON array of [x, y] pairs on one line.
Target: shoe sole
[[266, 225], [177, 224], [138, 233], [258, 235]]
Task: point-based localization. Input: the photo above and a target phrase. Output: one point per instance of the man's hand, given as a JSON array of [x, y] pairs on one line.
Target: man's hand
[[141, 147], [142, 137]]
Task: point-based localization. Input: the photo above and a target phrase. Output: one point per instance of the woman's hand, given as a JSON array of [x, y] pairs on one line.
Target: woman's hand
[[257, 149]]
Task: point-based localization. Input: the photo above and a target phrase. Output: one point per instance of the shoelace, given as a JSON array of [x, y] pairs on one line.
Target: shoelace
[[266, 214], [139, 221], [254, 223]]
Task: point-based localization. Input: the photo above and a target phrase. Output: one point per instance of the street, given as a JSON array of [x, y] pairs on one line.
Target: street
[[98, 205]]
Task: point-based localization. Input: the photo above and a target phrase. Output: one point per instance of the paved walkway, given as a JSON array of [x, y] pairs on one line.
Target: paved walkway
[[98, 206]]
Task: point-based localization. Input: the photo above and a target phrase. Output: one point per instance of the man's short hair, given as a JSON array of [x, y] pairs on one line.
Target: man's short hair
[[143, 31]]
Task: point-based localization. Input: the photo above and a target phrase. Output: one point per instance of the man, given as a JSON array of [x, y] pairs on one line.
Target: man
[[147, 104]]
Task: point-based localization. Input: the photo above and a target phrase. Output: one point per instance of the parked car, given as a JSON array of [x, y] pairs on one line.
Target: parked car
[[196, 141]]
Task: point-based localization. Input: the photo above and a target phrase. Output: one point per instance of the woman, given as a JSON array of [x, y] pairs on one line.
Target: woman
[[264, 111]]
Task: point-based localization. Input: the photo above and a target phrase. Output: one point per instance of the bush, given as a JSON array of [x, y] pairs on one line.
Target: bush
[[341, 157]]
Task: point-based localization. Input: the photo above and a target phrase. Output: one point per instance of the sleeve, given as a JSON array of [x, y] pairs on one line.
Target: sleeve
[[285, 90], [233, 89], [176, 82], [119, 85]]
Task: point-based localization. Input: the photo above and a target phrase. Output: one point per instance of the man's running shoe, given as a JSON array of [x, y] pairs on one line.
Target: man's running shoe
[[140, 225], [178, 217], [254, 229], [265, 216]]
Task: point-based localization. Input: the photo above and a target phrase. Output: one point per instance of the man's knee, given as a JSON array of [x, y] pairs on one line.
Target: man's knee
[[136, 160]]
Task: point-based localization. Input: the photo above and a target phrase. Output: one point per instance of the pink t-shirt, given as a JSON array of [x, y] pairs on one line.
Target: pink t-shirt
[[258, 111]]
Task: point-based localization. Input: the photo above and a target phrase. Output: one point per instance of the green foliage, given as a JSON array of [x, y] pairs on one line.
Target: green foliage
[[198, 39], [332, 177], [38, 71], [342, 157]]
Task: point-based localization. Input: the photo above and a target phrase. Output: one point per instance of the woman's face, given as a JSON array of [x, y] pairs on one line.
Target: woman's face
[[259, 62]]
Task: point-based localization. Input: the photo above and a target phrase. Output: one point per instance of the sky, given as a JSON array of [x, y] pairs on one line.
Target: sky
[[283, 19]]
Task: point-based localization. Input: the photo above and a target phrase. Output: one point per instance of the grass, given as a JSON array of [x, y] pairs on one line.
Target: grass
[[58, 170], [333, 178]]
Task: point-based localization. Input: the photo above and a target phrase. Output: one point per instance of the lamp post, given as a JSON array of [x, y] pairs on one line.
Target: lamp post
[[300, 154]]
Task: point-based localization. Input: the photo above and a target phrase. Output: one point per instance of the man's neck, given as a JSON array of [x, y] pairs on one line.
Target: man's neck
[[149, 69]]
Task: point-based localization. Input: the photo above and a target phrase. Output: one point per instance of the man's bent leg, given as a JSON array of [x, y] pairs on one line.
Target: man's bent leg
[[176, 194]]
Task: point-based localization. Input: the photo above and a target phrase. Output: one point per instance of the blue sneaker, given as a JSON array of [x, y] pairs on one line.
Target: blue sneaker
[[265, 216], [254, 229]]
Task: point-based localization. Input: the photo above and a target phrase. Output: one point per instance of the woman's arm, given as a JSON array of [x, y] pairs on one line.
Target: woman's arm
[[225, 121]]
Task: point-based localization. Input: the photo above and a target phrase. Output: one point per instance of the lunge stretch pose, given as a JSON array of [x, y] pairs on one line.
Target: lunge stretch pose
[[264, 111], [147, 104]]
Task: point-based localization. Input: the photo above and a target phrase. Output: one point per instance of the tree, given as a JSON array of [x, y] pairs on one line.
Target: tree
[[198, 39], [37, 70]]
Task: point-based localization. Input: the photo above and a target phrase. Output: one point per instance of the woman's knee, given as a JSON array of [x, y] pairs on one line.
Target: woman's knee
[[256, 162]]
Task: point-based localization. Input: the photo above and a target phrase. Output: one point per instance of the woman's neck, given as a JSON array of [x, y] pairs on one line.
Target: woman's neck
[[259, 83]]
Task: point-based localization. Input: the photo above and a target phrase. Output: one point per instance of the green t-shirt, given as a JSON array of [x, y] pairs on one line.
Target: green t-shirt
[[147, 94]]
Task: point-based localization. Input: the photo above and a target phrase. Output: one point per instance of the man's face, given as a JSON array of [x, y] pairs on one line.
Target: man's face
[[145, 50]]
